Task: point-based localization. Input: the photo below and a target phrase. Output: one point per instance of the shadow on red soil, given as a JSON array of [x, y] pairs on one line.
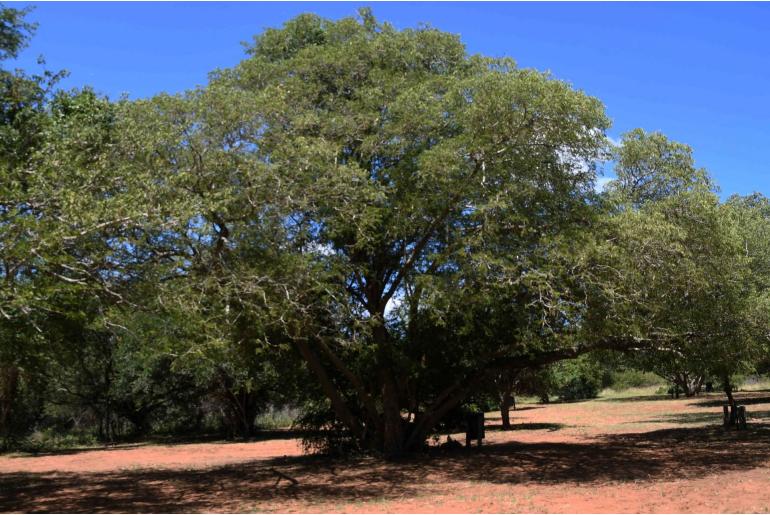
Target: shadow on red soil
[[745, 399], [639, 398], [524, 408], [261, 436], [526, 426], [650, 456]]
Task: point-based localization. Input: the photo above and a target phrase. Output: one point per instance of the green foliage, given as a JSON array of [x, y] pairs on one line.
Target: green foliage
[[632, 378], [323, 433], [649, 168], [48, 440], [274, 418], [15, 31], [577, 379], [683, 279]]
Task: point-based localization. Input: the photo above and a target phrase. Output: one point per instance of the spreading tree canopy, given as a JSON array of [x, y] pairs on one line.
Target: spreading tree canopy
[[404, 218]]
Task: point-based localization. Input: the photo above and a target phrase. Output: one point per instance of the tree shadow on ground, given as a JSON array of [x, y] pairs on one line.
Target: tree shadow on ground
[[525, 408], [656, 455], [704, 417], [755, 415], [232, 488], [260, 436], [638, 398], [526, 426], [708, 417], [744, 398], [651, 456], [73, 450]]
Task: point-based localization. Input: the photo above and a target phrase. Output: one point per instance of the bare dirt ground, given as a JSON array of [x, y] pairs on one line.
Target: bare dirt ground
[[639, 454]]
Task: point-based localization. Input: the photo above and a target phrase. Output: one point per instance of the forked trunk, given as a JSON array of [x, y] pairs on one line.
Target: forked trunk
[[341, 410], [690, 385]]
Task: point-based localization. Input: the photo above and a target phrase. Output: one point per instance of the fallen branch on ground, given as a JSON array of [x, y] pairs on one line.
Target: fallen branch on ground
[[281, 475]]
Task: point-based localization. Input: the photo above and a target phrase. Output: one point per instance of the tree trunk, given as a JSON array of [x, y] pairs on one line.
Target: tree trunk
[[243, 410], [730, 400], [445, 402], [690, 385], [504, 382], [9, 386], [393, 424], [341, 410], [729, 392], [506, 400], [698, 384]]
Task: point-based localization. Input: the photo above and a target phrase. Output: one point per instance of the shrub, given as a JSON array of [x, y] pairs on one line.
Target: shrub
[[632, 378], [578, 379], [275, 418], [323, 433], [579, 387], [45, 440]]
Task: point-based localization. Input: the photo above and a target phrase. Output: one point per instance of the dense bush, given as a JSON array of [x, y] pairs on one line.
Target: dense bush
[[578, 388], [632, 378], [578, 379], [322, 432], [49, 439]]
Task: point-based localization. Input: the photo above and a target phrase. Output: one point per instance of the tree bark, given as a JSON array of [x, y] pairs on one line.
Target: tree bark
[[505, 406], [449, 398], [730, 400], [389, 433], [698, 384], [729, 392], [9, 386], [690, 385], [339, 406], [393, 424]]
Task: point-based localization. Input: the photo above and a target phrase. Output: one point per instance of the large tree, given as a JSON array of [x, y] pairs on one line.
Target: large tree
[[405, 219], [402, 213]]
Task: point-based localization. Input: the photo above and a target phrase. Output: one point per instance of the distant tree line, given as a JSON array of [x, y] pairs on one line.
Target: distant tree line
[[366, 223]]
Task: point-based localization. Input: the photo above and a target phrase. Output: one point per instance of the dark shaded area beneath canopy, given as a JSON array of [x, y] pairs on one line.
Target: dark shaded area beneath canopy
[[650, 456], [527, 426], [745, 399]]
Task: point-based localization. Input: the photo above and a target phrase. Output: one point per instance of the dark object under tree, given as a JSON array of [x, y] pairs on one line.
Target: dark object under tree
[[474, 428]]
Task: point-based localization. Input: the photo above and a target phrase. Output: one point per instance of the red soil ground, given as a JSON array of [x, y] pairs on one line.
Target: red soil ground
[[635, 455]]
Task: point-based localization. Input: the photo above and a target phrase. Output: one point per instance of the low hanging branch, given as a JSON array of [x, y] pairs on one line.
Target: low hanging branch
[[330, 389], [619, 343], [354, 380], [456, 393]]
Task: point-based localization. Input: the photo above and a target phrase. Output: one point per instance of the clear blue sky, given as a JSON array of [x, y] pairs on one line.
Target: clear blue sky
[[700, 73]]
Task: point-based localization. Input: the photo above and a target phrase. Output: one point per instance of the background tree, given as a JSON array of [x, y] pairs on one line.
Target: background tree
[[22, 122], [683, 277]]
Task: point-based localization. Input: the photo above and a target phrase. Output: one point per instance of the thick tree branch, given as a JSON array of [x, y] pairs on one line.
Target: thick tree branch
[[338, 403], [425, 239], [369, 404]]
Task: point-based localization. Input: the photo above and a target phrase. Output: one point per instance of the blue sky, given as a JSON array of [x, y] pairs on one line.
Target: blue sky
[[698, 72]]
